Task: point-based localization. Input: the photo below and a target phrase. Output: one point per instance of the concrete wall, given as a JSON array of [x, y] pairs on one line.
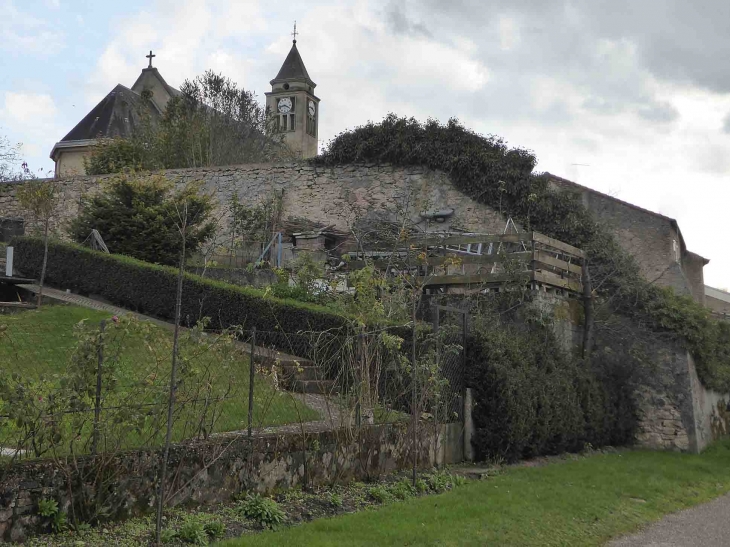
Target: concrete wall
[[213, 471]]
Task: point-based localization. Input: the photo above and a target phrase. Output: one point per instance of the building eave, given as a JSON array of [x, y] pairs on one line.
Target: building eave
[[81, 143]]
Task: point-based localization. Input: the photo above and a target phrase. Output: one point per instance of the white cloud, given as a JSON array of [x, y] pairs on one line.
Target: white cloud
[[22, 32], [28, 108]]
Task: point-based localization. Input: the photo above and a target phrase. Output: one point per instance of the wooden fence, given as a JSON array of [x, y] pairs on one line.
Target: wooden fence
[[484, 260]]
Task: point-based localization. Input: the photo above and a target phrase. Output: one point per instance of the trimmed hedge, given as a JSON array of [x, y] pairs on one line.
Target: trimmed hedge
[[533, 399], [151, 289]]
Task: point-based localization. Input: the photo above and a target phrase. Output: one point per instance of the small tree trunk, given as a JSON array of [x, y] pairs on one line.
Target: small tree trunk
[[414, 396], [45, 263], [588, 311], [173, 385]]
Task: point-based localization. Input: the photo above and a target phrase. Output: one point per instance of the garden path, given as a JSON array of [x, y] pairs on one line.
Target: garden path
[[707, 525]]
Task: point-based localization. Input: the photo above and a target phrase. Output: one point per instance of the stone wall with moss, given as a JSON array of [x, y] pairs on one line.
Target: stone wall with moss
[[213, 471], [327, 195]]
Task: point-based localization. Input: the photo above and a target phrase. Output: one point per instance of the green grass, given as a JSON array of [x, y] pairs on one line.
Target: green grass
[[38, 345], [581, 502]]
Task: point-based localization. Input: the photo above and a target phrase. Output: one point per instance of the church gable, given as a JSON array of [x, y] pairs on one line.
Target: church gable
[[151, 80]]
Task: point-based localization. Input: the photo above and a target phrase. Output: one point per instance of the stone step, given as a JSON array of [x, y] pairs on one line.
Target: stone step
[[302, 372], [319, 387]]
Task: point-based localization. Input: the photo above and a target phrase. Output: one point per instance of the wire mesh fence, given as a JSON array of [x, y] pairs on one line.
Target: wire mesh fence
[[105, 385]]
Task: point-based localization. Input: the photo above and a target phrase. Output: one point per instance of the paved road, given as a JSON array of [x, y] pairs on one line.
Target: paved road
[[706, 525]]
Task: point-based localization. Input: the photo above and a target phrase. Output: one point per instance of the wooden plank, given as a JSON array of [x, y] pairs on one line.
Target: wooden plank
[[21, 305], [440, 240], [543, 257], [16, 280], [569, 249], [452, 259], [480, 279], [555, 280]]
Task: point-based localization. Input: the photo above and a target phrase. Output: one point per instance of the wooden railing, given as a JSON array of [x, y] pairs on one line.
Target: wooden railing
[[485, 260]]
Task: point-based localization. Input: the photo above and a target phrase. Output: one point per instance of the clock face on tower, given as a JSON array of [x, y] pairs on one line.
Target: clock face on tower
[[284, 105], [311, 108]]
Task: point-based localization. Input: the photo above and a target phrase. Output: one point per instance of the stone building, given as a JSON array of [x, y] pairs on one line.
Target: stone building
[[118, 114], [291, 100], [654, 240], [294, 105], [719, 302]]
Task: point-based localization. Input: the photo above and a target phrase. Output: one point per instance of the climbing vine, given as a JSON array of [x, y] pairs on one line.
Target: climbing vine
[[487, 170]]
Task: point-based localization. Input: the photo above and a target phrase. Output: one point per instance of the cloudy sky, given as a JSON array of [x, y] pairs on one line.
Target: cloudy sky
[[628, 97]]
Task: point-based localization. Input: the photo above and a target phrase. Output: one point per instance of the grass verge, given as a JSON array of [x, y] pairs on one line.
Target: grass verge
[[580, 502]]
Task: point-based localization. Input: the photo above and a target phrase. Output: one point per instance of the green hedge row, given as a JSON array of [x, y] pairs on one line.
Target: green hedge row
[[151, 289], [533, 399]]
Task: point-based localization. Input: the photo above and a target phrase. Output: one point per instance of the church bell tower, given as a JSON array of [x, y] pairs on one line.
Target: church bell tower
[[294, 105]]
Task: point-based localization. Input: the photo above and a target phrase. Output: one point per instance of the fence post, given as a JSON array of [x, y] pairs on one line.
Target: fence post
[[251, 367], [97, 398]]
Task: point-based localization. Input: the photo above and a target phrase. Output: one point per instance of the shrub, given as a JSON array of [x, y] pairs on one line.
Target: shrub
[[149, 288], [403, 489], [193, 531], [380, 494], [137, 217], [215, 529], [533, 399], [264, 511], [336, 500]]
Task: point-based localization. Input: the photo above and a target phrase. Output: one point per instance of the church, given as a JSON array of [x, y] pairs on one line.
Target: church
[[291, 101]]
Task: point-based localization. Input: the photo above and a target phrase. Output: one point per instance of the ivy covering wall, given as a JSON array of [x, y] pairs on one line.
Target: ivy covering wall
[[489, 171]]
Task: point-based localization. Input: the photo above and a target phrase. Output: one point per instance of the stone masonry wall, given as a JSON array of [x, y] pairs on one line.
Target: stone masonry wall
[[213, 471], [330, 195], [649, 237]]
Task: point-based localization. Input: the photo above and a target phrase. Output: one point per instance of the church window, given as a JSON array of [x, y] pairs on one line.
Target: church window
[[292, 122], [283, 122]]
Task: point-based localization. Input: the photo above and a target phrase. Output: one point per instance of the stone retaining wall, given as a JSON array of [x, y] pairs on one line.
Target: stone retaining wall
[[329, 195], [214, 470]]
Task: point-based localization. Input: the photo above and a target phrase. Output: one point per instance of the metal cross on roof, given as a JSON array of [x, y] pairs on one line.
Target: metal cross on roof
[[150, 58], [295, 32]]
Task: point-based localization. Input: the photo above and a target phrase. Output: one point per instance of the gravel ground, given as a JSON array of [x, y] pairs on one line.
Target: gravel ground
[[706, 525]]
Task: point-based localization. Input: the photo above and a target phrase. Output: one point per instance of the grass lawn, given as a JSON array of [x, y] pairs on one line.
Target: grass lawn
[[37, 345], [580, 502]]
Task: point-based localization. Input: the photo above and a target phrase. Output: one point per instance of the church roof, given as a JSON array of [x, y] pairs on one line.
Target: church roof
[[293, 67], [117, 115]]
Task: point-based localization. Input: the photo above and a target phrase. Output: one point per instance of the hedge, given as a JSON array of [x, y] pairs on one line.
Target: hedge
[[151, 289], [533, 399]]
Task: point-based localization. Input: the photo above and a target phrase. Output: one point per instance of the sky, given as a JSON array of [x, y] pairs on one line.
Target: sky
[[629, 98]]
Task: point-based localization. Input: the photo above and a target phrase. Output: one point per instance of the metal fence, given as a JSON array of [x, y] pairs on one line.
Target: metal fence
[[106, 385]]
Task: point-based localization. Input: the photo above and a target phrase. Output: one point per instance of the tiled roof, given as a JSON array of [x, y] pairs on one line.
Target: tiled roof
[[293, 67], [117, 115]]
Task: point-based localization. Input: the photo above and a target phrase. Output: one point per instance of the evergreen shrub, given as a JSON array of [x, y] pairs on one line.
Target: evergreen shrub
[[534, 399]]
